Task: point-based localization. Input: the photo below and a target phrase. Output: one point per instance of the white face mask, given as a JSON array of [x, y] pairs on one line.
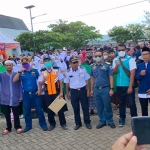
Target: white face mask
[[121, 53], [105, 57], [33, 67], [98, 59], [42, 66]]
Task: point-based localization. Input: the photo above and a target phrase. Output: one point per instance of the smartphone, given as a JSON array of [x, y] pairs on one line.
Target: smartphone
[[141, 129]]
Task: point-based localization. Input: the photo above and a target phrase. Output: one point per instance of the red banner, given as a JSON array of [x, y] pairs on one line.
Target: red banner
[[2, 46]]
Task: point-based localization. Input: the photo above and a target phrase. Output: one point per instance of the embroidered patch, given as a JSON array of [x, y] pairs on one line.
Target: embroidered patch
[[94, 67]]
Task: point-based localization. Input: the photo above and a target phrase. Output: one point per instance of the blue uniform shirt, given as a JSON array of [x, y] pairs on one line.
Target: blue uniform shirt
[[29, 80], [101, 74]]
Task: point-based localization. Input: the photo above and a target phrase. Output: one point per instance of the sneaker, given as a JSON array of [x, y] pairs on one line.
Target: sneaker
[[121, 122]]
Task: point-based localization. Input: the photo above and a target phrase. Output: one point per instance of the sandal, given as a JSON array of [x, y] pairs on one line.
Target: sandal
[[5, 132], [19, 131]]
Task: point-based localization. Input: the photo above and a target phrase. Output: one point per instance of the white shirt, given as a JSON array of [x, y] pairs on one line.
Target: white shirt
[[143, 96], [132, 63], [76, 79]]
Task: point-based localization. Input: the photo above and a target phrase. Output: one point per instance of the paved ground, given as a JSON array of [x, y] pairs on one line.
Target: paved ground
[[82, 139]]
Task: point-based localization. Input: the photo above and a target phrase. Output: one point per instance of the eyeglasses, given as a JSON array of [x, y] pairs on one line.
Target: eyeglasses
[[98, 56], [76, 62], [121, 50]]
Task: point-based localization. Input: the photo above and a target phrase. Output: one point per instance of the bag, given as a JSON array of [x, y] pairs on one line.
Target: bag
[[124, 68]]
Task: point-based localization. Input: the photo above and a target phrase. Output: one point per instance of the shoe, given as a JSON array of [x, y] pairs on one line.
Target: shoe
[[92, 112], [100, 125], [64, 127], [77, 127], [51, 128], [26, 130], [45, 128], [112, 125], [88, 126], [121, 122]]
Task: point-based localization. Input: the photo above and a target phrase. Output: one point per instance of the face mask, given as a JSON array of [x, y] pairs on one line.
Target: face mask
[[48, 64], [42, 66], [105, 57], [56, 61], [89, 57], [33, 67], [26, 66], [121, 53], [98, 59]]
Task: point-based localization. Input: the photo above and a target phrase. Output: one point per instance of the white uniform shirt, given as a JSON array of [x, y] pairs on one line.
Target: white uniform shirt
[[76, 79]]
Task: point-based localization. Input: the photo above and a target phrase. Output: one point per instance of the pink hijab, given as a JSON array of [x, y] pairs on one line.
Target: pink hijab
[[83, 55]]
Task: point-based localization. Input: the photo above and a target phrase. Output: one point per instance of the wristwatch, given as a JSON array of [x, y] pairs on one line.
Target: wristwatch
[[112, 88], [19, 72]]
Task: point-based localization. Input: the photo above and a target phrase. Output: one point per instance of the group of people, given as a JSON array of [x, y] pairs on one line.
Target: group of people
[[92, 78]]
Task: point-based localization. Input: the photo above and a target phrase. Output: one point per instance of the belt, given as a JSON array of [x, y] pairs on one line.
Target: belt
[[30, 92], [101, 87], [78, 89]]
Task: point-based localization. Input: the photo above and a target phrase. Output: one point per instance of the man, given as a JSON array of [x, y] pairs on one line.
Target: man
[[111, 55], [137, 52], [52, 79], [102, 87], [11, 93], [31, 94], [143, 75], [77, 79], [124, 66], [89, 61], [106, 57]]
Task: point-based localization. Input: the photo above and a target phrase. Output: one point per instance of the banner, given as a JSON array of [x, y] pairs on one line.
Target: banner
[[2, 46]]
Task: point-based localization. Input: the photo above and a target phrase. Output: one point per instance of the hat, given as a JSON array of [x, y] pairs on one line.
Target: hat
[[88, 50], [111, 51], [74, 59], [145, 49], [46, 57], [24, 60]]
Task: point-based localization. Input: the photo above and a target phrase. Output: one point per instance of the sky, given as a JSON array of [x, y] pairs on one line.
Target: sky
[[60, 9]]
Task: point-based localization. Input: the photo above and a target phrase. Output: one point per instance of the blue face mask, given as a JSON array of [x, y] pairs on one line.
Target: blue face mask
[[48, 64]]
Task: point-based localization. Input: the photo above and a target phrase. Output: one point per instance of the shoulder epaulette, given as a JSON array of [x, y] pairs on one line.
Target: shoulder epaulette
[[81, 67], [107, 63]]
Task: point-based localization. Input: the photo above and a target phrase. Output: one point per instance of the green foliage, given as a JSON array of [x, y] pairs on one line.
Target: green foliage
[[61, 34], [119, 34], [132, 32]]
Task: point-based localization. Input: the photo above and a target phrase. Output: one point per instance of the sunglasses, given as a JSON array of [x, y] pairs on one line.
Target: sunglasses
[[121, 50], [76, 62], [98, 56]]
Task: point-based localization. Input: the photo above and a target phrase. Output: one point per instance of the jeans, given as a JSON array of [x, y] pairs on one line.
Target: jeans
[[144, 106], [7, 111], [27, 104], [123, 98], [103, 104]]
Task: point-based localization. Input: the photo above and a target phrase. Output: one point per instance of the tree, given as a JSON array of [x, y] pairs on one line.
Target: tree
[[119, 34], [74, 34], [137, 32], [147, 17]]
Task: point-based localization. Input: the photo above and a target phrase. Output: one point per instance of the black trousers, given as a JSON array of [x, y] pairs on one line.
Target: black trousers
[[7, 111], [77, 97], [48, 100], [144, 106]]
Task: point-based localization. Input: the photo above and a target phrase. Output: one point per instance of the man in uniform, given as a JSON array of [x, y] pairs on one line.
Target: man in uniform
[[52, 80], [102, 85], [31, 93], [77, 79]]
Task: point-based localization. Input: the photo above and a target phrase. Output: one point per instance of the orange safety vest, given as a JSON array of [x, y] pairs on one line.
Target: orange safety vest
[[52, 78]]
